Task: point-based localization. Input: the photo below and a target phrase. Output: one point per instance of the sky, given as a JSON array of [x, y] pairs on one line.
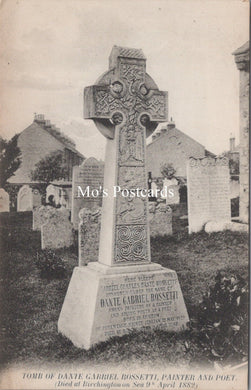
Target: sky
[[52, 49]]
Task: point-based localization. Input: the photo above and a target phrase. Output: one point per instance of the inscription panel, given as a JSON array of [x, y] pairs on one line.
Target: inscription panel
[[132, 301]]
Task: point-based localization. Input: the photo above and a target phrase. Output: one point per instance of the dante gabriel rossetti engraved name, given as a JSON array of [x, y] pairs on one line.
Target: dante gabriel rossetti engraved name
[[135, 299]]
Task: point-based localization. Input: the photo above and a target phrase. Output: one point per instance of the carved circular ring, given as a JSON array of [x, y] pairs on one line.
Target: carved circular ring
[[193, 162], [117, 118], [117, 89], [143, 90], [144, 120], [204, 162]]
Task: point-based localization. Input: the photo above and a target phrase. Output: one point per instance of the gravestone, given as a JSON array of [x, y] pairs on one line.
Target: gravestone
[[208, 191], [88, 235], [58, 231], [123, 290], [25, 199], [172, 191], [160, 220], [4, 201], [52, 194], [90, 177], [40, 216]]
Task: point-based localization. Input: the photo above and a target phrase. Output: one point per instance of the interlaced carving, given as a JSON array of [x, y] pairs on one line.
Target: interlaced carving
[[126, 92]]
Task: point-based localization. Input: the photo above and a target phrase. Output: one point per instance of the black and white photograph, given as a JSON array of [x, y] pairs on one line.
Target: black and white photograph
[[124, 194]]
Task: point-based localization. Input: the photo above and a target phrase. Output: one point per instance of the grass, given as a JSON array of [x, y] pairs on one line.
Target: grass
[[30, 305]]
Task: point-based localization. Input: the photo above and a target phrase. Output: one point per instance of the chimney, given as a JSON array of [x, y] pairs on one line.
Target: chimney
[[47, 123], [232, 143], [39, 118]]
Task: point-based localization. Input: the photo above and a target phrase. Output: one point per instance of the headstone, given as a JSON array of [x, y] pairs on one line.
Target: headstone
[[88, 235], [4, 201], [160, 220], [52, 195], [89, 177], [123, 290], [58, 231], [40, 216], [208, 192], [25, 199], [171, 191]]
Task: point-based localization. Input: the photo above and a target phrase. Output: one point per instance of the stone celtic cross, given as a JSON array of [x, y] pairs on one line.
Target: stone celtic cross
[[126, 106]]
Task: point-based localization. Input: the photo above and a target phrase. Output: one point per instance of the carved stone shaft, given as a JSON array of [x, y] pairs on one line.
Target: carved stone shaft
[[126, 106]]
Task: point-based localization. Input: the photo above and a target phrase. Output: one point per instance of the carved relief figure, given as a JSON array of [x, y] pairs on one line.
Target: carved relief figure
[[131, 144], [131, 177], [130, 210]]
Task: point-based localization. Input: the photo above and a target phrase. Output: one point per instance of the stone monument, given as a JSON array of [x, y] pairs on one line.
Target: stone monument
[[57, 231], [123, 290], [25, 199], [89, 176], [208, 190], [4, 201]]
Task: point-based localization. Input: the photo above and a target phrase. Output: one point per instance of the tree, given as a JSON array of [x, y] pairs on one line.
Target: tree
[[10, 159], [51, 167], [167, 170]]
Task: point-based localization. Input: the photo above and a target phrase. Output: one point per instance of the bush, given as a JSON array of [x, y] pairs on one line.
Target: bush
[[221, 327], [51, 266]]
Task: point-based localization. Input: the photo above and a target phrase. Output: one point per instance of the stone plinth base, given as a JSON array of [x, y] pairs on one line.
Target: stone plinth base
[[100, 304]]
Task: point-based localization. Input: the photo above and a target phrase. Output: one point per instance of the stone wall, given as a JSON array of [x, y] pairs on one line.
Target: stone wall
[[242, 62]]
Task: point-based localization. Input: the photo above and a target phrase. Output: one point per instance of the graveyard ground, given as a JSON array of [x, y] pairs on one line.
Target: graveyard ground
[[31, 299]]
